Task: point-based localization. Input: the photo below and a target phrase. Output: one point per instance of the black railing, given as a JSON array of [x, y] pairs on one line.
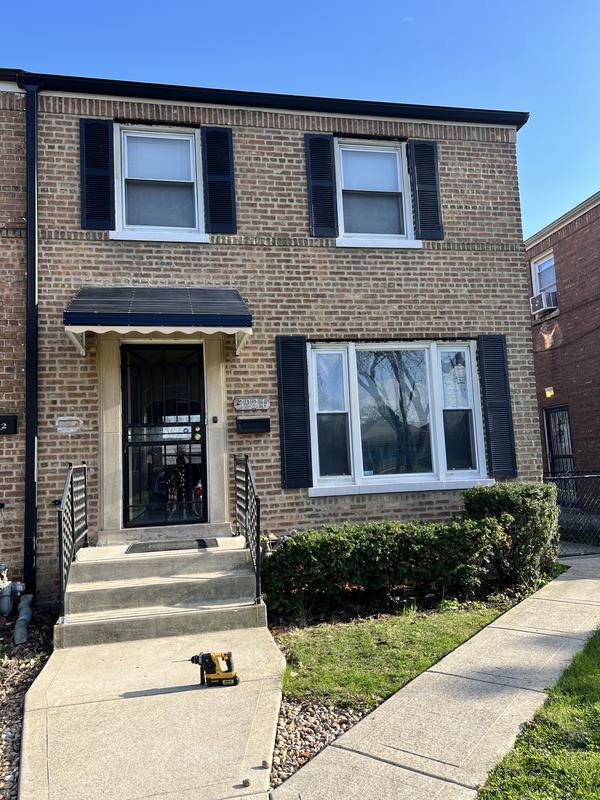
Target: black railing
[[247, 514], [72, 522], [578, 496]]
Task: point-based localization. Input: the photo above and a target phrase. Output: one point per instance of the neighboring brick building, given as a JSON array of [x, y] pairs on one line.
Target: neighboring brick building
[[382, 284], [564, 257]]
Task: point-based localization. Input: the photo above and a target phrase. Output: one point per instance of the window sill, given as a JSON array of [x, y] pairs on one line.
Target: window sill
[[392, 488], [158, 236], [375, 241]]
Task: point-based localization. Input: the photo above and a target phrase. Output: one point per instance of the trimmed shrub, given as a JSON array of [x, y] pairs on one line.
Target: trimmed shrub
[[528, 515], [341, 566]]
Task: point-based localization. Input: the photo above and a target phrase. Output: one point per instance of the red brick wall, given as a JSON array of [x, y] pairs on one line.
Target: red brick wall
[[471, 283], [567, 345]]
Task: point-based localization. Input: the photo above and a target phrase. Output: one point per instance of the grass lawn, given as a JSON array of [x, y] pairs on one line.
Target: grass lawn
[[557, 756], [360, 663]]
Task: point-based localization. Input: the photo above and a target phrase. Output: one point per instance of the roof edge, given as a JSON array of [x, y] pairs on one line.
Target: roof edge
[[561, 222], [285, 102]]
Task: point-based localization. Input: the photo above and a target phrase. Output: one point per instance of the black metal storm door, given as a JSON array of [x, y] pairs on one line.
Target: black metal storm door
[[164, 435]]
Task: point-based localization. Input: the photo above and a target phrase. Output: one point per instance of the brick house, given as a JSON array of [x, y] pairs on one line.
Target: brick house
[[563, 265], [333, 287]]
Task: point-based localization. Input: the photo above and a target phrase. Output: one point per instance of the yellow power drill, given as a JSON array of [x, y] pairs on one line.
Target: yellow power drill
[[216, 669]]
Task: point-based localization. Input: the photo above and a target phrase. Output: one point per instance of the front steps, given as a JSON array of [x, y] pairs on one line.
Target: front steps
[[115, 596], [167, 533]]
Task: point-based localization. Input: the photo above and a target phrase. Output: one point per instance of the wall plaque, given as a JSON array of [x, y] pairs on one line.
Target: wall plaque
[[69, 424], [8, 424], [251, 403]]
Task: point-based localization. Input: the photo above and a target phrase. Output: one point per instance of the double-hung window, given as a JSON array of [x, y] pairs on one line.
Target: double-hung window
[[395, 417], [457, 403], [374, 202], [543, 274], [332, 412], [158, 189]]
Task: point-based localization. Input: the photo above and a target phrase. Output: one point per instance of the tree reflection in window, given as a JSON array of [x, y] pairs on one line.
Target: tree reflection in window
[[394, 411]]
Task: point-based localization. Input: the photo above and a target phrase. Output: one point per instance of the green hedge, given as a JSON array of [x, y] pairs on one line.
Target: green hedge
[[507, 540], [344, 565], [528, 514]]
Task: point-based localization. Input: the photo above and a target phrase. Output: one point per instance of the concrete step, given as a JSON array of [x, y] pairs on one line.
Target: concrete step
[[165, 533], [112, 563], [155, 621], [174, 590]]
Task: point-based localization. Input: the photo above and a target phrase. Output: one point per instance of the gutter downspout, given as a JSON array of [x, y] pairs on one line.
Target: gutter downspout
[[31, 338]]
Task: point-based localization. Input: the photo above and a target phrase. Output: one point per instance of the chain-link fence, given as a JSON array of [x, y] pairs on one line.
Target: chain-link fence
[[579, 503]]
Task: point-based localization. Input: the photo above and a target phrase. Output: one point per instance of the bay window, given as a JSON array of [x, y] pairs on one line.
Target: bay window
[[394, 416]]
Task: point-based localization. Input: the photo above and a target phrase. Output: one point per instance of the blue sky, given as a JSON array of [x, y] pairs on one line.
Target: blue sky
[[540, 56]]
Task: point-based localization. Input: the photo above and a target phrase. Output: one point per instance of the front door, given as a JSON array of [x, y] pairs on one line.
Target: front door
[[164, 435]]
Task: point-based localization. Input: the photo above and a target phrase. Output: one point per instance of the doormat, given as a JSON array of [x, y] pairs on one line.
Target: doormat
[[181, 544]]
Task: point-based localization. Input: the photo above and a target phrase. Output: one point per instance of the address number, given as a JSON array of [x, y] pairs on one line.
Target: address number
[[8, 424]]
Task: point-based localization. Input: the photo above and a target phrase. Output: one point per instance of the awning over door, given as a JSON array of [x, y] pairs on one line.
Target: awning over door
[[101, 309]]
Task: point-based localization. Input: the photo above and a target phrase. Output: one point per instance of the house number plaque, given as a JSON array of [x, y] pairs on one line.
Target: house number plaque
[[8, 424], [251, 403], [69, 424]]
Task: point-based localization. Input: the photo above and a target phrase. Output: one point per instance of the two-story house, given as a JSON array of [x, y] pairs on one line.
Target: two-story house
[[563, 262], [333, 287]]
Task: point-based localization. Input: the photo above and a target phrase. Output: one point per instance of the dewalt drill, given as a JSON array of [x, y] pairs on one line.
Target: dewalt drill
[[216, 669]]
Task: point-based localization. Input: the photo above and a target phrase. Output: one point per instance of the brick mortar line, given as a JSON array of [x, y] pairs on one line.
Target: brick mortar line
[[245, 240]]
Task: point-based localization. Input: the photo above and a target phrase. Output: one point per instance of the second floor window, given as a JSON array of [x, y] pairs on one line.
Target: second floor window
[[543, 274], [373, 191], [158, 187]]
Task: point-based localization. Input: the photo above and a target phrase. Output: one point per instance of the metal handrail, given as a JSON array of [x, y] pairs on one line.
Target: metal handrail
[[247, 514], [72, 519]]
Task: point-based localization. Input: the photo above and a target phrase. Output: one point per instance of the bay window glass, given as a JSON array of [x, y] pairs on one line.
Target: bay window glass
[[393, 397], [394, 413], [332, 413], [458, 411]]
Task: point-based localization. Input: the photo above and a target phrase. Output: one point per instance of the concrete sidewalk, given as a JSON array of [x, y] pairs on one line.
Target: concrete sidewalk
[[128, 720], [439, 736]]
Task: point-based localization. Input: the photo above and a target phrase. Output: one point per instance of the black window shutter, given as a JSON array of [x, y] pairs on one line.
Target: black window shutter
[[493, 370], [219, 180], [294, 425], [424, 178], [320, 174], [97, 174]]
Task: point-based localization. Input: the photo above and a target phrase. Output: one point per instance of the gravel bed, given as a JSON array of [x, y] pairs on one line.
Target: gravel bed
[[304, 728], [19, 666]]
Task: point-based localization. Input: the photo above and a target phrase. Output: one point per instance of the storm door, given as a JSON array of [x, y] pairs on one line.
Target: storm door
[[164, 435]]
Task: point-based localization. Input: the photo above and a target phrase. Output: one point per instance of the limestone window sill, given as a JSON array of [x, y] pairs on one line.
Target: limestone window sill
[[158, 236], [393, 487]]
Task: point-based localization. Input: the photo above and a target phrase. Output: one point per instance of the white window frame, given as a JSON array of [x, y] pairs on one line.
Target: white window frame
[[473, 404], [314, 412], [535, 272], [158, 233], [376, 239], [439, 477]]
